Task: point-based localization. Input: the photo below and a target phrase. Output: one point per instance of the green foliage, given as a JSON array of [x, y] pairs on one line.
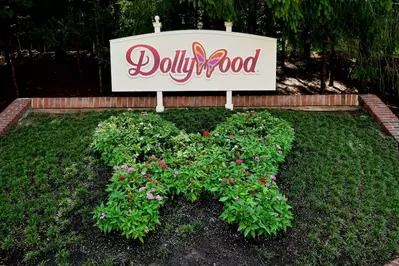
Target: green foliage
[[42, 167], [236, 163], [339, 178], [128, 138]]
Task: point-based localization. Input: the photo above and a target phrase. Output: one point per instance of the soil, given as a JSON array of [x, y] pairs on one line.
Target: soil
[[189, 234]]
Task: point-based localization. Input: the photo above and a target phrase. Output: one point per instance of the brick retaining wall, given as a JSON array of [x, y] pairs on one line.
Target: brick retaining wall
[[381, 114], [377, 109], [13, 113], [196, 101]]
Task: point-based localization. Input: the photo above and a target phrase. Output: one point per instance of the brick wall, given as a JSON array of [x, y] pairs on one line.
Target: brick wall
[[13, 113], [195, 101], [381, 114]]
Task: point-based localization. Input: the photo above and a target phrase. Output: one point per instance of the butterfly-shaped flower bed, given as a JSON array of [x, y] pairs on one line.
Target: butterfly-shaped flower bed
[[153, 161]]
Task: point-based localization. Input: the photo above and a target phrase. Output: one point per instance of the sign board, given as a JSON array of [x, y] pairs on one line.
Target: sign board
[[193, 60]]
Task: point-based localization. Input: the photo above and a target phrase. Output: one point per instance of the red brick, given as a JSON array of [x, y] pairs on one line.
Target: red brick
[[291, 100], [153, 102]]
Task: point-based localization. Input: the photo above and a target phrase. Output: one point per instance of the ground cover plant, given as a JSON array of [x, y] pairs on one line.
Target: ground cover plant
[[340, 179], [153, 160]]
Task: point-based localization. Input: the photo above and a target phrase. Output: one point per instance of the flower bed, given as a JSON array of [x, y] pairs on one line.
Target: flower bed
[[154, 160]]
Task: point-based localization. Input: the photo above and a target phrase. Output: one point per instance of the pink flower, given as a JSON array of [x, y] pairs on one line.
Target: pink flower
[[206, 134], [217, 135], [99, 125], [239, 161], [175, 174], [153, 189], [257, 159], [129, 109], [158, 197], [129, 211], [131, 169], [141, 189], [150, 196], [144, 113], [116, 167], [125, 166], [272, 177], [103, 216], [267, 184]]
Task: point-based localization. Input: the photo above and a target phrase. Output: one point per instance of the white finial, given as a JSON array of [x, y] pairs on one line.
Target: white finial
[[157, 25], [229, 26]]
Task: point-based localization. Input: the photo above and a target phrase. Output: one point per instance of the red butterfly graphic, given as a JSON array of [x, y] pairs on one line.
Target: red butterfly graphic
[[210, 63]]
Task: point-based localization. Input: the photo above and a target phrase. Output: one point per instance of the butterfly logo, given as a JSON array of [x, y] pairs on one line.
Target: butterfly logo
[[209, 64]]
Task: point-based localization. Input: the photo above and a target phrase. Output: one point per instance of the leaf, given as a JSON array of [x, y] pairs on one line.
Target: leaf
[[223, 199]]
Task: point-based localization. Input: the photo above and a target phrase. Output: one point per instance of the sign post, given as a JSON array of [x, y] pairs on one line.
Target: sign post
[[193, 60], [160, 108], [229, 94]]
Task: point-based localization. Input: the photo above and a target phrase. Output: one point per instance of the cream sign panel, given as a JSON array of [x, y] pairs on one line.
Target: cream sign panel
[[193, 61]]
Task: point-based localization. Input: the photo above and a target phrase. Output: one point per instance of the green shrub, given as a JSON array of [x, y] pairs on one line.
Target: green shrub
[[130, 137], [237, 163]]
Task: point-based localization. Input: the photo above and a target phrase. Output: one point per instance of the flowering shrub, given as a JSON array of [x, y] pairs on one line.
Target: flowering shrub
[[154, 160], [129, 138]]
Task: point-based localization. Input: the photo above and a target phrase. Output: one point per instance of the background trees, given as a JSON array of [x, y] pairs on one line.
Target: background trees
[[78, 31]]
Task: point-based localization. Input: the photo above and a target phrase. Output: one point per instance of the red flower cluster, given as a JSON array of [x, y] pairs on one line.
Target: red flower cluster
[[121, 178], [262, 180], [148, 175], [162, 164], [130, 198], [239, 161], [206, 134]]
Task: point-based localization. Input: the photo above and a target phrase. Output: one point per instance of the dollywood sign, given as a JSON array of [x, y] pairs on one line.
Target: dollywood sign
[[193, 60]]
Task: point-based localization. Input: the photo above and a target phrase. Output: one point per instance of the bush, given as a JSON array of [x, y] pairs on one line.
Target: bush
[[154, 160]]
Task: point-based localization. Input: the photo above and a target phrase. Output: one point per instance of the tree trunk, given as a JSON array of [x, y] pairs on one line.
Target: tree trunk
[[19, 47], [271, 29], [78, 59], [30, 47], [332, 65], [323, 70], [306, 45], [283, 54], [98, 48], [10, 54], [252, 17], [196, 15], [294, 46]]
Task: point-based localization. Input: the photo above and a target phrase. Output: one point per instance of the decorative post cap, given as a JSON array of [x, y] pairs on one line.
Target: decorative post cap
[[157, 25], [229, 26]]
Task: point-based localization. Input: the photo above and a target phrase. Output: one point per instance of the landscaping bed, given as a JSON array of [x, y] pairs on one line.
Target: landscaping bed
[[339, 178]]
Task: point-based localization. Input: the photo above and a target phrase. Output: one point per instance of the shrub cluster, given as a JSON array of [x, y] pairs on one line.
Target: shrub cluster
[[153, 160]]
